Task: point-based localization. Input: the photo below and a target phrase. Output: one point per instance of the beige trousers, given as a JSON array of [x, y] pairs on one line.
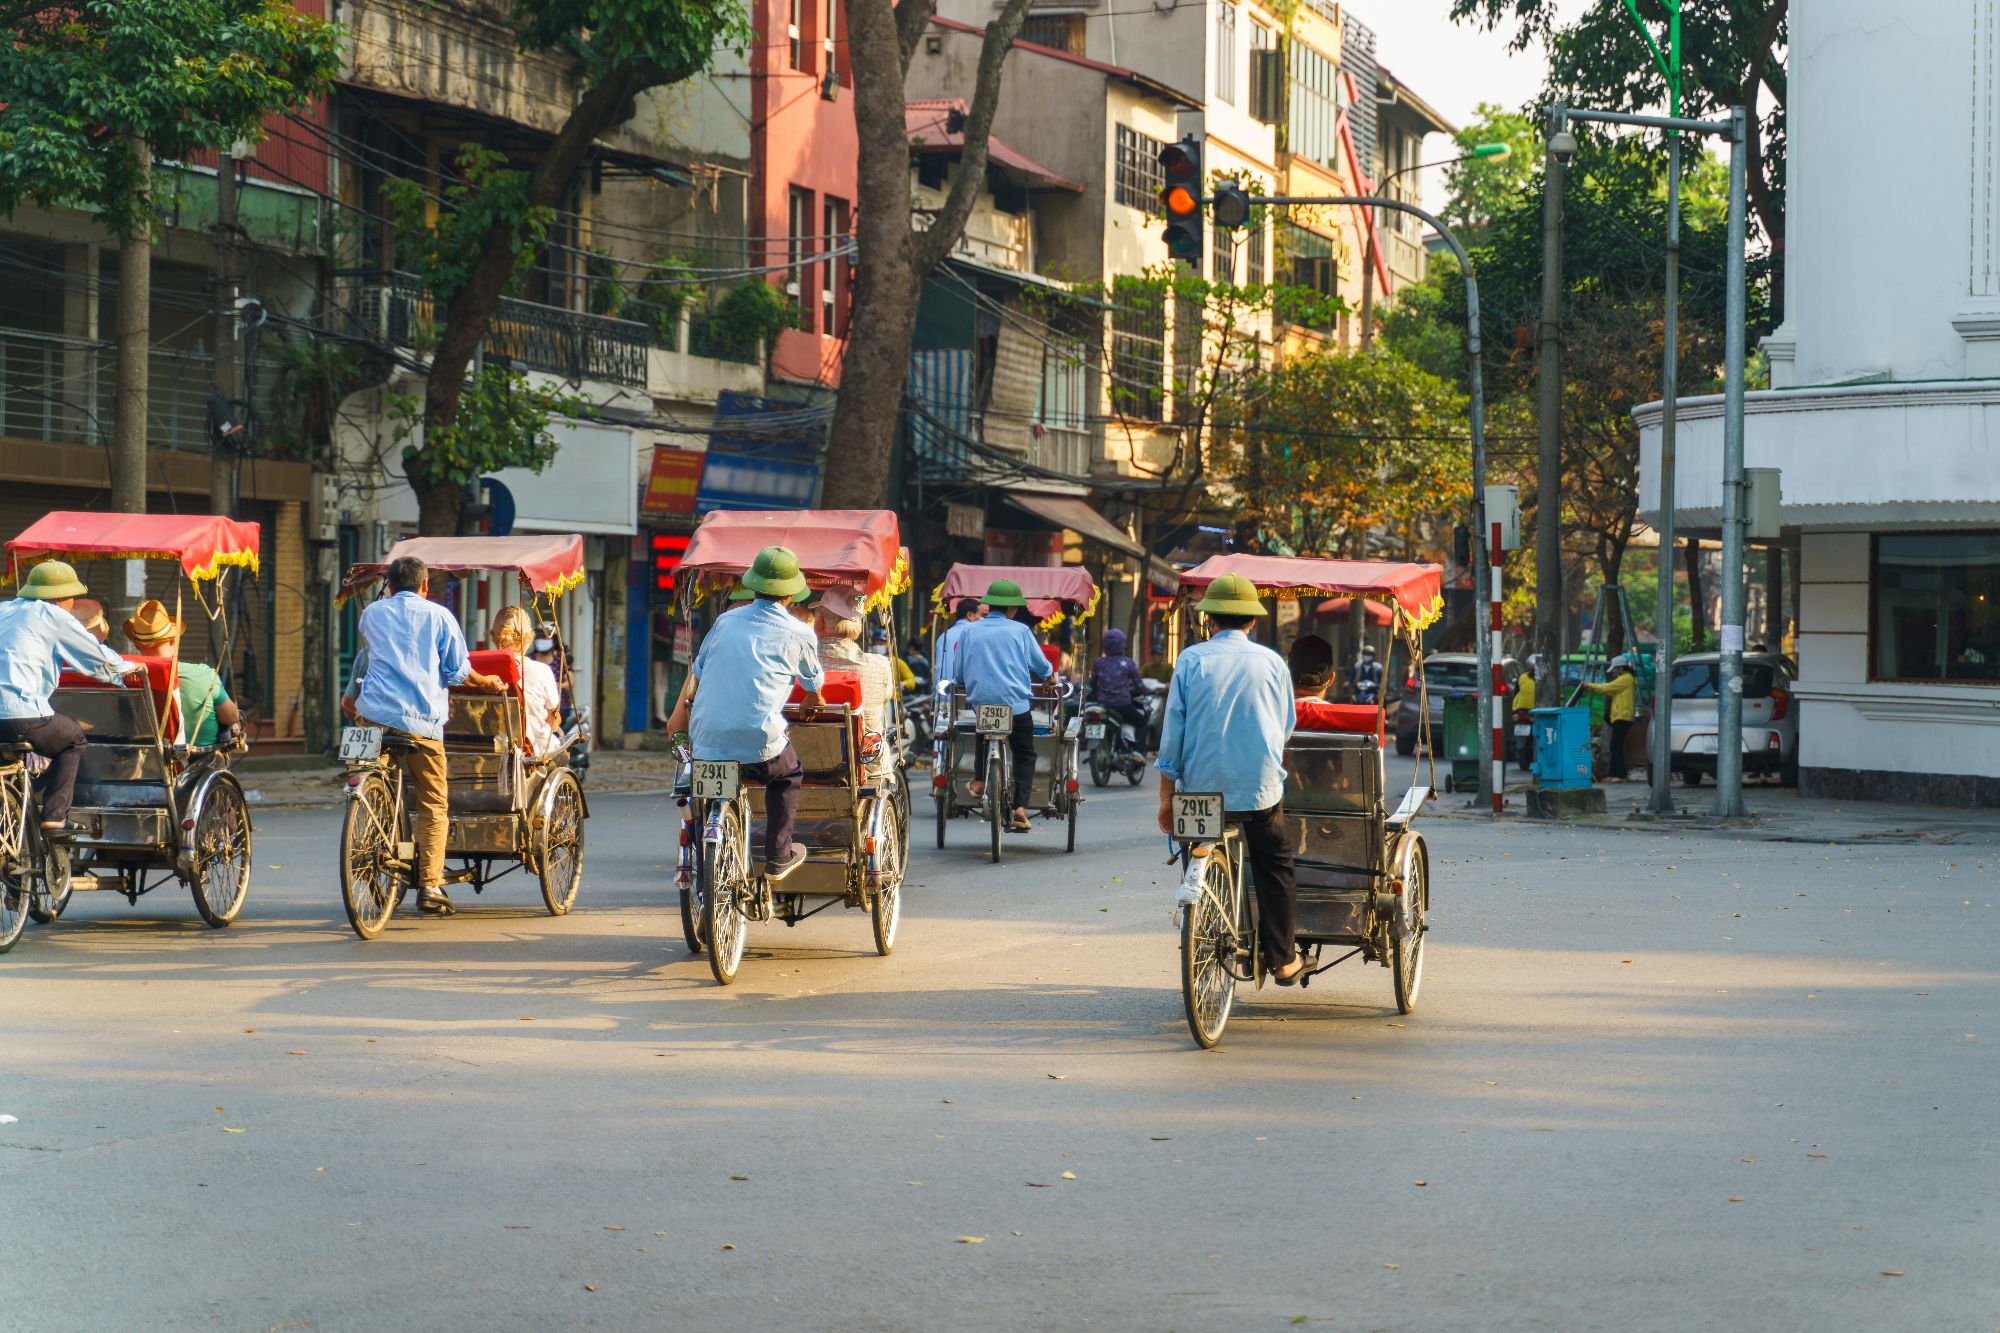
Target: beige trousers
[[424, 766]]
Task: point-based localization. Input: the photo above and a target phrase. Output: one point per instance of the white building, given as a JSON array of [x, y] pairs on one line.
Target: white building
[[1884, 415]]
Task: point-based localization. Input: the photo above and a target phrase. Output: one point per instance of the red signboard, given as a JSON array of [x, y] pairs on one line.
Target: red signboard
[[667, 550], [673, 481]]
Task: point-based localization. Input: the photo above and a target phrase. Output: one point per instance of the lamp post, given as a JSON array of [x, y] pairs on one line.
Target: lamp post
[[1488, 152]]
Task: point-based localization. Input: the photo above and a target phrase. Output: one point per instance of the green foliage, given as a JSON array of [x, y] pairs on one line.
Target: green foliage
[[663, 297], [314, 374], [749, 313], [669, 39], [607, 294], [1481, 187], [503, 421], [442, 246], [82, 81]]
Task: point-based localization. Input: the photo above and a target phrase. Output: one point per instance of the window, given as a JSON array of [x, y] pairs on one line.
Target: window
[[1225, 53], [1221, 253], [1937, 607], [1060, 32], [793, 40], [834, 296], [1700, 679], [1307, 260], [1137, 178], [1063, 403], [828, 21], [1313, 105], [1138, 350], [802, 279], [1267, 76], [1254, 243]]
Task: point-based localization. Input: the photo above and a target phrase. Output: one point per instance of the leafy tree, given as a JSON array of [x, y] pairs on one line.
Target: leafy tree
[[1481, 186], [892, 260], [621, 49]]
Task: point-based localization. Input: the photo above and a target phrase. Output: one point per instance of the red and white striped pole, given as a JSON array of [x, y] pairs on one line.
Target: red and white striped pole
[[1499, 686]]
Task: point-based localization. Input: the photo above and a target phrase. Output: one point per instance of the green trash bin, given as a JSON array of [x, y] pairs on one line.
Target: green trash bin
[[1461, 743]]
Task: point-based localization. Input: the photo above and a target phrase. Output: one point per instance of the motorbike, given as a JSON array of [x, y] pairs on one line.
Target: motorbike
[[1115, 745], [917, 720]]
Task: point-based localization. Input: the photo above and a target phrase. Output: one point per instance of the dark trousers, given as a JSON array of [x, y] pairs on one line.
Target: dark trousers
[[780, 776], [1269, 851], [1022, 742], [1618, 730], [1136, 716], [58, 740]]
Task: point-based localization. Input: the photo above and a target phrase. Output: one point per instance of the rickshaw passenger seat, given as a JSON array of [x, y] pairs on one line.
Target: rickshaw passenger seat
[[161, 680], [505, 667], [1350, 719]]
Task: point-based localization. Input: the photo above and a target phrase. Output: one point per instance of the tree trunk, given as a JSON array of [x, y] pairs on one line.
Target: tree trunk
[[134, 335], [1697, 608]]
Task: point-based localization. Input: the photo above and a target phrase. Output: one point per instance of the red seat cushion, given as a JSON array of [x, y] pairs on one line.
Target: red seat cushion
[[161, 679], [1319, 715], [500, 664], [840, 687], [1054, 654]]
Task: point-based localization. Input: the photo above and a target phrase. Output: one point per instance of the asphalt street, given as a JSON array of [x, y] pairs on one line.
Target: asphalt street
[[1655, 1081]]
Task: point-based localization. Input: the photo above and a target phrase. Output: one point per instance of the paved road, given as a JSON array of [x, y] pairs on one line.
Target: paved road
[[1656, 1081]]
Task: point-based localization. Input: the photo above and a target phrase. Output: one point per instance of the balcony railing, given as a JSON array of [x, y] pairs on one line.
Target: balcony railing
[[395, 308], [57, 388]]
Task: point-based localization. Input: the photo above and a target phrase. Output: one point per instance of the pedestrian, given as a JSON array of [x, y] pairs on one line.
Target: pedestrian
[[1523, 709], [1229, 714], [944, 665], [39, 636], [412, 652], [733, 706], [1621, 691], [1001, 662]]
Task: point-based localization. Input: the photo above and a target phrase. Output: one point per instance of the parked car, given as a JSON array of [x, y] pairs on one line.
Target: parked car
[[1770, 717], [1446, 676]]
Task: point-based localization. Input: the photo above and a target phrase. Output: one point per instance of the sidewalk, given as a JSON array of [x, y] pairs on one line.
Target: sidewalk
[[1772, 814], [321, 782]]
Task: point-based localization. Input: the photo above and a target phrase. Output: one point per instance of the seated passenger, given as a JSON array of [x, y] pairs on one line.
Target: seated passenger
[[91, 613], [840, 649], [208, 715], [1311, 663], [541, 707]]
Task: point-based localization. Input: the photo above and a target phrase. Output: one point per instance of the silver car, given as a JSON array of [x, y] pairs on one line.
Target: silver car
[[1770, 717], [1446, 676]]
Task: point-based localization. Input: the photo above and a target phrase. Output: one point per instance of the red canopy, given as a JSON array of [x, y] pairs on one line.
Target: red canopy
[[1377, 613], [1051, 590], [863, 547], [203, 543], [549, 563], [1417, 591]]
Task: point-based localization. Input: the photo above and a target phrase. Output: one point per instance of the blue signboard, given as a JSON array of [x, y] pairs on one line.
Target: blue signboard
[[762, 454]]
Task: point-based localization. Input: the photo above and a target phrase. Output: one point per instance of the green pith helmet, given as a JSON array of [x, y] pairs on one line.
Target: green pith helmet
[[742, 594], [775, 573], [1004, 592], [51, 581], [1231, 595]]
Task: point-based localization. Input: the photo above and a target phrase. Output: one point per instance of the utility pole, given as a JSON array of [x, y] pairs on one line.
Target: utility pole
[[221, 461], [134, 337], [1549, 600], [1729, 704]]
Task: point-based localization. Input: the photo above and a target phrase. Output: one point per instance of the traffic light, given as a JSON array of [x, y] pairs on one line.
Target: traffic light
[[1180, 196], [1230, 206]]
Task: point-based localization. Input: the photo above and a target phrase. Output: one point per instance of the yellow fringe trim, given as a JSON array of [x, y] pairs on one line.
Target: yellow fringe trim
[[213, 569]]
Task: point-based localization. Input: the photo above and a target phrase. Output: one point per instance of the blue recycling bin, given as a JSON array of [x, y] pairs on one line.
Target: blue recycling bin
[[1562, 747]]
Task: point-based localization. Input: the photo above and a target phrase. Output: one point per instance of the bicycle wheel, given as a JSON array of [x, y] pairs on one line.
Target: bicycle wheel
[[886, 910], [559, 842], [995, 807], [221, 854], [371, 883], [723, 881], [1208, 986], [51, 897], [17, 890], [1406, 932], [1073, 804]]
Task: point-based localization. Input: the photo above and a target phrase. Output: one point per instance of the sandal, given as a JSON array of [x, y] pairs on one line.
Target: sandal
[[1297, 978]]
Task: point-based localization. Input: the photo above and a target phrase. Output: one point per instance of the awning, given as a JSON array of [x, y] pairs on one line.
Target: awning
[[1162, 575], [1078, 517]]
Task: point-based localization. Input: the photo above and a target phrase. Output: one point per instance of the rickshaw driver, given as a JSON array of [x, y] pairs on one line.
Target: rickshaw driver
[[749, 660], [1229, 714], [412, 652], [999, 662], [39, 635]]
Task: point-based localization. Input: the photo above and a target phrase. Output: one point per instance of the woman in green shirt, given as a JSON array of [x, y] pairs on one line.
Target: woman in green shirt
[[208, 715]]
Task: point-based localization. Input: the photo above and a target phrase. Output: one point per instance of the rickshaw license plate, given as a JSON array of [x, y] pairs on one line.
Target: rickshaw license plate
[[716, 779], [995, 719], [1093, 731], [360, 744], [1198, 816]]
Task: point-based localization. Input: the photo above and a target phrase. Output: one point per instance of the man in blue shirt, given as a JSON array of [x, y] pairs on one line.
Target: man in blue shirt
[[998, 662], [734, 704], [944, 663], [38, 637], [412, 652], [1229, 714]]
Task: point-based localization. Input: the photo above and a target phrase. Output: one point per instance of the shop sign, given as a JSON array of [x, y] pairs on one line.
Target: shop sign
[[672, 484]]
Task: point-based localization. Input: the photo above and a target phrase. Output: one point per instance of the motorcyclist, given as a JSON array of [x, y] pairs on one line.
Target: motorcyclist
[[1114, 684], [1364, 678]]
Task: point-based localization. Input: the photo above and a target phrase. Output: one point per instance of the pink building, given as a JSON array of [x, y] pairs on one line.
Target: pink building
[[803, 155]]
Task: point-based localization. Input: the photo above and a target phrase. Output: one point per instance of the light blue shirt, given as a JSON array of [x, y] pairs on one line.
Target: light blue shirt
[[997, 660], [412, 651], [37, 640], [1229, 714], [944, 666], [746, 667]]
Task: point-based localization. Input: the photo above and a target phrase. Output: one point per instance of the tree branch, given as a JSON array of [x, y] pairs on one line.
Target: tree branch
[[912, 17], [933, 245]]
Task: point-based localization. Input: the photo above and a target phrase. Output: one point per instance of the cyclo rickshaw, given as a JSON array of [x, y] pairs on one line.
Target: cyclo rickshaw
[[508, 805], [970, 744], [1363, 871], [149, 805], [854, 809]]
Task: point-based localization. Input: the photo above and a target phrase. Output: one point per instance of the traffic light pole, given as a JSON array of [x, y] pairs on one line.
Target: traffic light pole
[[1225, 201]]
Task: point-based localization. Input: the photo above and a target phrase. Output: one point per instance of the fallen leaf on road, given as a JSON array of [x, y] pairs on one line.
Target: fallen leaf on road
[[1624, 960], [727, 1246], [1058, 1077], [227, 1129], [1038, 1185], [248, 1031], [739, 1177], [1069, 1175], [589, 1286], [1892, 1272], [296, 1323], [525, 1019], [1162, 1138], [659, 1233], [1817, 1156], [1392, 1265], [1750, 1160], [1420, 1182], [1737, 1198], [1395, 1025], [913, 1182], [614, 1228], [515, 1226], [970, 1240], [294, 1052]]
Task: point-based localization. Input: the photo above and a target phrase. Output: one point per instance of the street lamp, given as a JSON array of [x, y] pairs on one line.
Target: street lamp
[[1485, 152]]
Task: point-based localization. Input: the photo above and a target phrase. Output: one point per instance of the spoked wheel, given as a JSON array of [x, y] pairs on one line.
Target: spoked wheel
[[694, 919], [1100, 765], [1073, 804], [887, 909], [371, 883], [1406, 932], [943, 802], [222, 854], [17, 890], [722, 875], [900, 813], [1208, 987], [52, 895], [996, 814], [559, 849]]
